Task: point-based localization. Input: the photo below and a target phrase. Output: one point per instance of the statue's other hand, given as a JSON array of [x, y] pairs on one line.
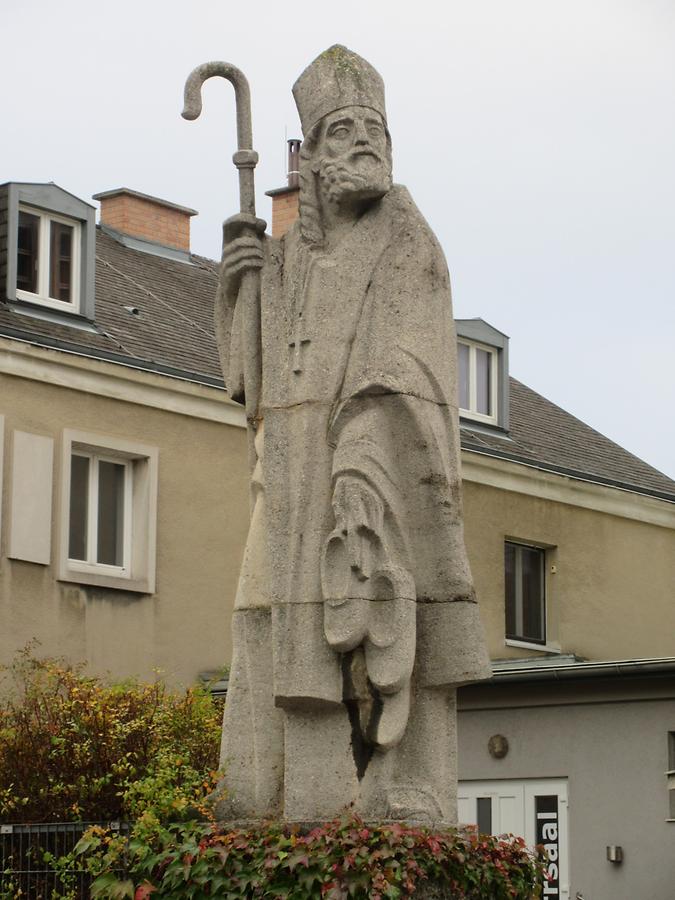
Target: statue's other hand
[[243, 251], [358, 516]]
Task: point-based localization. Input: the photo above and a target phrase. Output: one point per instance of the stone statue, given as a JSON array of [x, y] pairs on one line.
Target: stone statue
[[355, 617]]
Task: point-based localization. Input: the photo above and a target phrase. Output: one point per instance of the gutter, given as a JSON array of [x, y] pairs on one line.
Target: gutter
[[580, 671], [644, 668]]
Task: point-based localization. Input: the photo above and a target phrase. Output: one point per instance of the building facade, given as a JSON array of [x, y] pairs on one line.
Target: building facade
[[124, 488], [124, 515]]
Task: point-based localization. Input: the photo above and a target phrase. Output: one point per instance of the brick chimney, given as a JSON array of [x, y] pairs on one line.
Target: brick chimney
[[285, 200], [148, 218]]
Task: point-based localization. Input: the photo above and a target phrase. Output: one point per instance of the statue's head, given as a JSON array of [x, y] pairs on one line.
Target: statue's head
[[346, 152]]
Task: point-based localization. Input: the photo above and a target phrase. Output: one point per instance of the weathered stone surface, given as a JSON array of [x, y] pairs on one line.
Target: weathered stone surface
[[356, 616]]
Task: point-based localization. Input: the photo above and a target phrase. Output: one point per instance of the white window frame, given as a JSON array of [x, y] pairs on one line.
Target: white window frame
[[42, 297], [91, 541], [137, 572], [529, 643], [472, 412]]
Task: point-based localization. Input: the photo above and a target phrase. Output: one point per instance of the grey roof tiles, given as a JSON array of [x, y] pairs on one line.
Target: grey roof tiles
[[544, 435]]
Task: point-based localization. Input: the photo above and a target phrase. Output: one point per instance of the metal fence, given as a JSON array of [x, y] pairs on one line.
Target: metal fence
[[27, 860]]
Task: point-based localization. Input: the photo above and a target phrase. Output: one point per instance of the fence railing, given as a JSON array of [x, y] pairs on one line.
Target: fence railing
[[28, 854]]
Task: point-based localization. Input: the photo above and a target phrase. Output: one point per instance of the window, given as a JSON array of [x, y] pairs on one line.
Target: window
[[482, 375], [108, 512], [47, 261], [477, 381], [47, 251], [100, 511], [525, 593]]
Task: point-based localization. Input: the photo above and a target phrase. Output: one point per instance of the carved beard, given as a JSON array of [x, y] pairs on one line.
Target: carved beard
[[359, 177]]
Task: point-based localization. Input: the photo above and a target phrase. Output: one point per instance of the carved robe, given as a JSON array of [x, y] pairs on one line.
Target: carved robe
[[359, 382]]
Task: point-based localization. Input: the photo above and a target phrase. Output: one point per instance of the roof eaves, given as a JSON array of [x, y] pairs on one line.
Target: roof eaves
[[132, 362], [578, 475], [571, 669], [483, 322], [49, 184]]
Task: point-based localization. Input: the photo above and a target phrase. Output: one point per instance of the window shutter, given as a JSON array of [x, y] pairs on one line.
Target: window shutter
[[31, 498]]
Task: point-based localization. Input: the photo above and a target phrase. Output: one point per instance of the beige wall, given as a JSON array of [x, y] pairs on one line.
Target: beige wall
[[201, 526], [613, 593], [612, 596]]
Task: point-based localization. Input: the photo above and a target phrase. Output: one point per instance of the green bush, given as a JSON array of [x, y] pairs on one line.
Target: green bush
[[73, 748], [339, 860]]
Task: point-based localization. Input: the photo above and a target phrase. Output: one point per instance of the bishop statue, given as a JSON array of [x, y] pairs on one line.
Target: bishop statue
[[355, 617]]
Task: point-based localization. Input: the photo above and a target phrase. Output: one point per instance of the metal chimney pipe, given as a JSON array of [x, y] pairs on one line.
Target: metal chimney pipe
[[294, 163]]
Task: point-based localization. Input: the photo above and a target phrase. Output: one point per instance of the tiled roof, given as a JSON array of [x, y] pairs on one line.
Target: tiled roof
[[544, 435], [173, 332], [174, 324]]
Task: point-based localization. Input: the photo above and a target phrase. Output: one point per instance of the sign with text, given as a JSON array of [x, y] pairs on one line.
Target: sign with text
[[547, 833]]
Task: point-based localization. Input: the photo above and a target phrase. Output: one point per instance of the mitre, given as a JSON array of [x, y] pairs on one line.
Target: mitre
[[337, 78]]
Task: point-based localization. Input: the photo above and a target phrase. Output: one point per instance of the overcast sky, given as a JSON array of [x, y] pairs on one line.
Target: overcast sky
[[537, 137]]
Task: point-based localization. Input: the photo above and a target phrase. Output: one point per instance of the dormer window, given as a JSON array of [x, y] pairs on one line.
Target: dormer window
[[483, 374], [47, 253], [47, 262], [478, 381]]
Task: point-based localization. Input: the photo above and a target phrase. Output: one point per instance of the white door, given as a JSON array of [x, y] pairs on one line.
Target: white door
[[533, 810]]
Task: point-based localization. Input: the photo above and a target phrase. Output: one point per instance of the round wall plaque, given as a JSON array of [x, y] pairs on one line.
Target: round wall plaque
[[498, 746]]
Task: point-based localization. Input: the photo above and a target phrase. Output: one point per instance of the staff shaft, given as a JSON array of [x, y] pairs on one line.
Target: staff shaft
[[245, 159]]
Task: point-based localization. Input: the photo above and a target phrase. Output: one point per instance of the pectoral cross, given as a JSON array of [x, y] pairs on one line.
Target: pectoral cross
[[297, 345]]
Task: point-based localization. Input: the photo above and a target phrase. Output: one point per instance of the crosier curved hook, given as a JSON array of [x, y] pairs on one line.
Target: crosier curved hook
[[245, 159]]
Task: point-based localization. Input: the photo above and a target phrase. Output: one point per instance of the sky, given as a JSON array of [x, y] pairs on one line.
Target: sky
[[536, 136]]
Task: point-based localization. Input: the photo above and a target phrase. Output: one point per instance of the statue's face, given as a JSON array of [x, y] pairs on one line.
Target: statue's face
[[354, 155], [355, 133]]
